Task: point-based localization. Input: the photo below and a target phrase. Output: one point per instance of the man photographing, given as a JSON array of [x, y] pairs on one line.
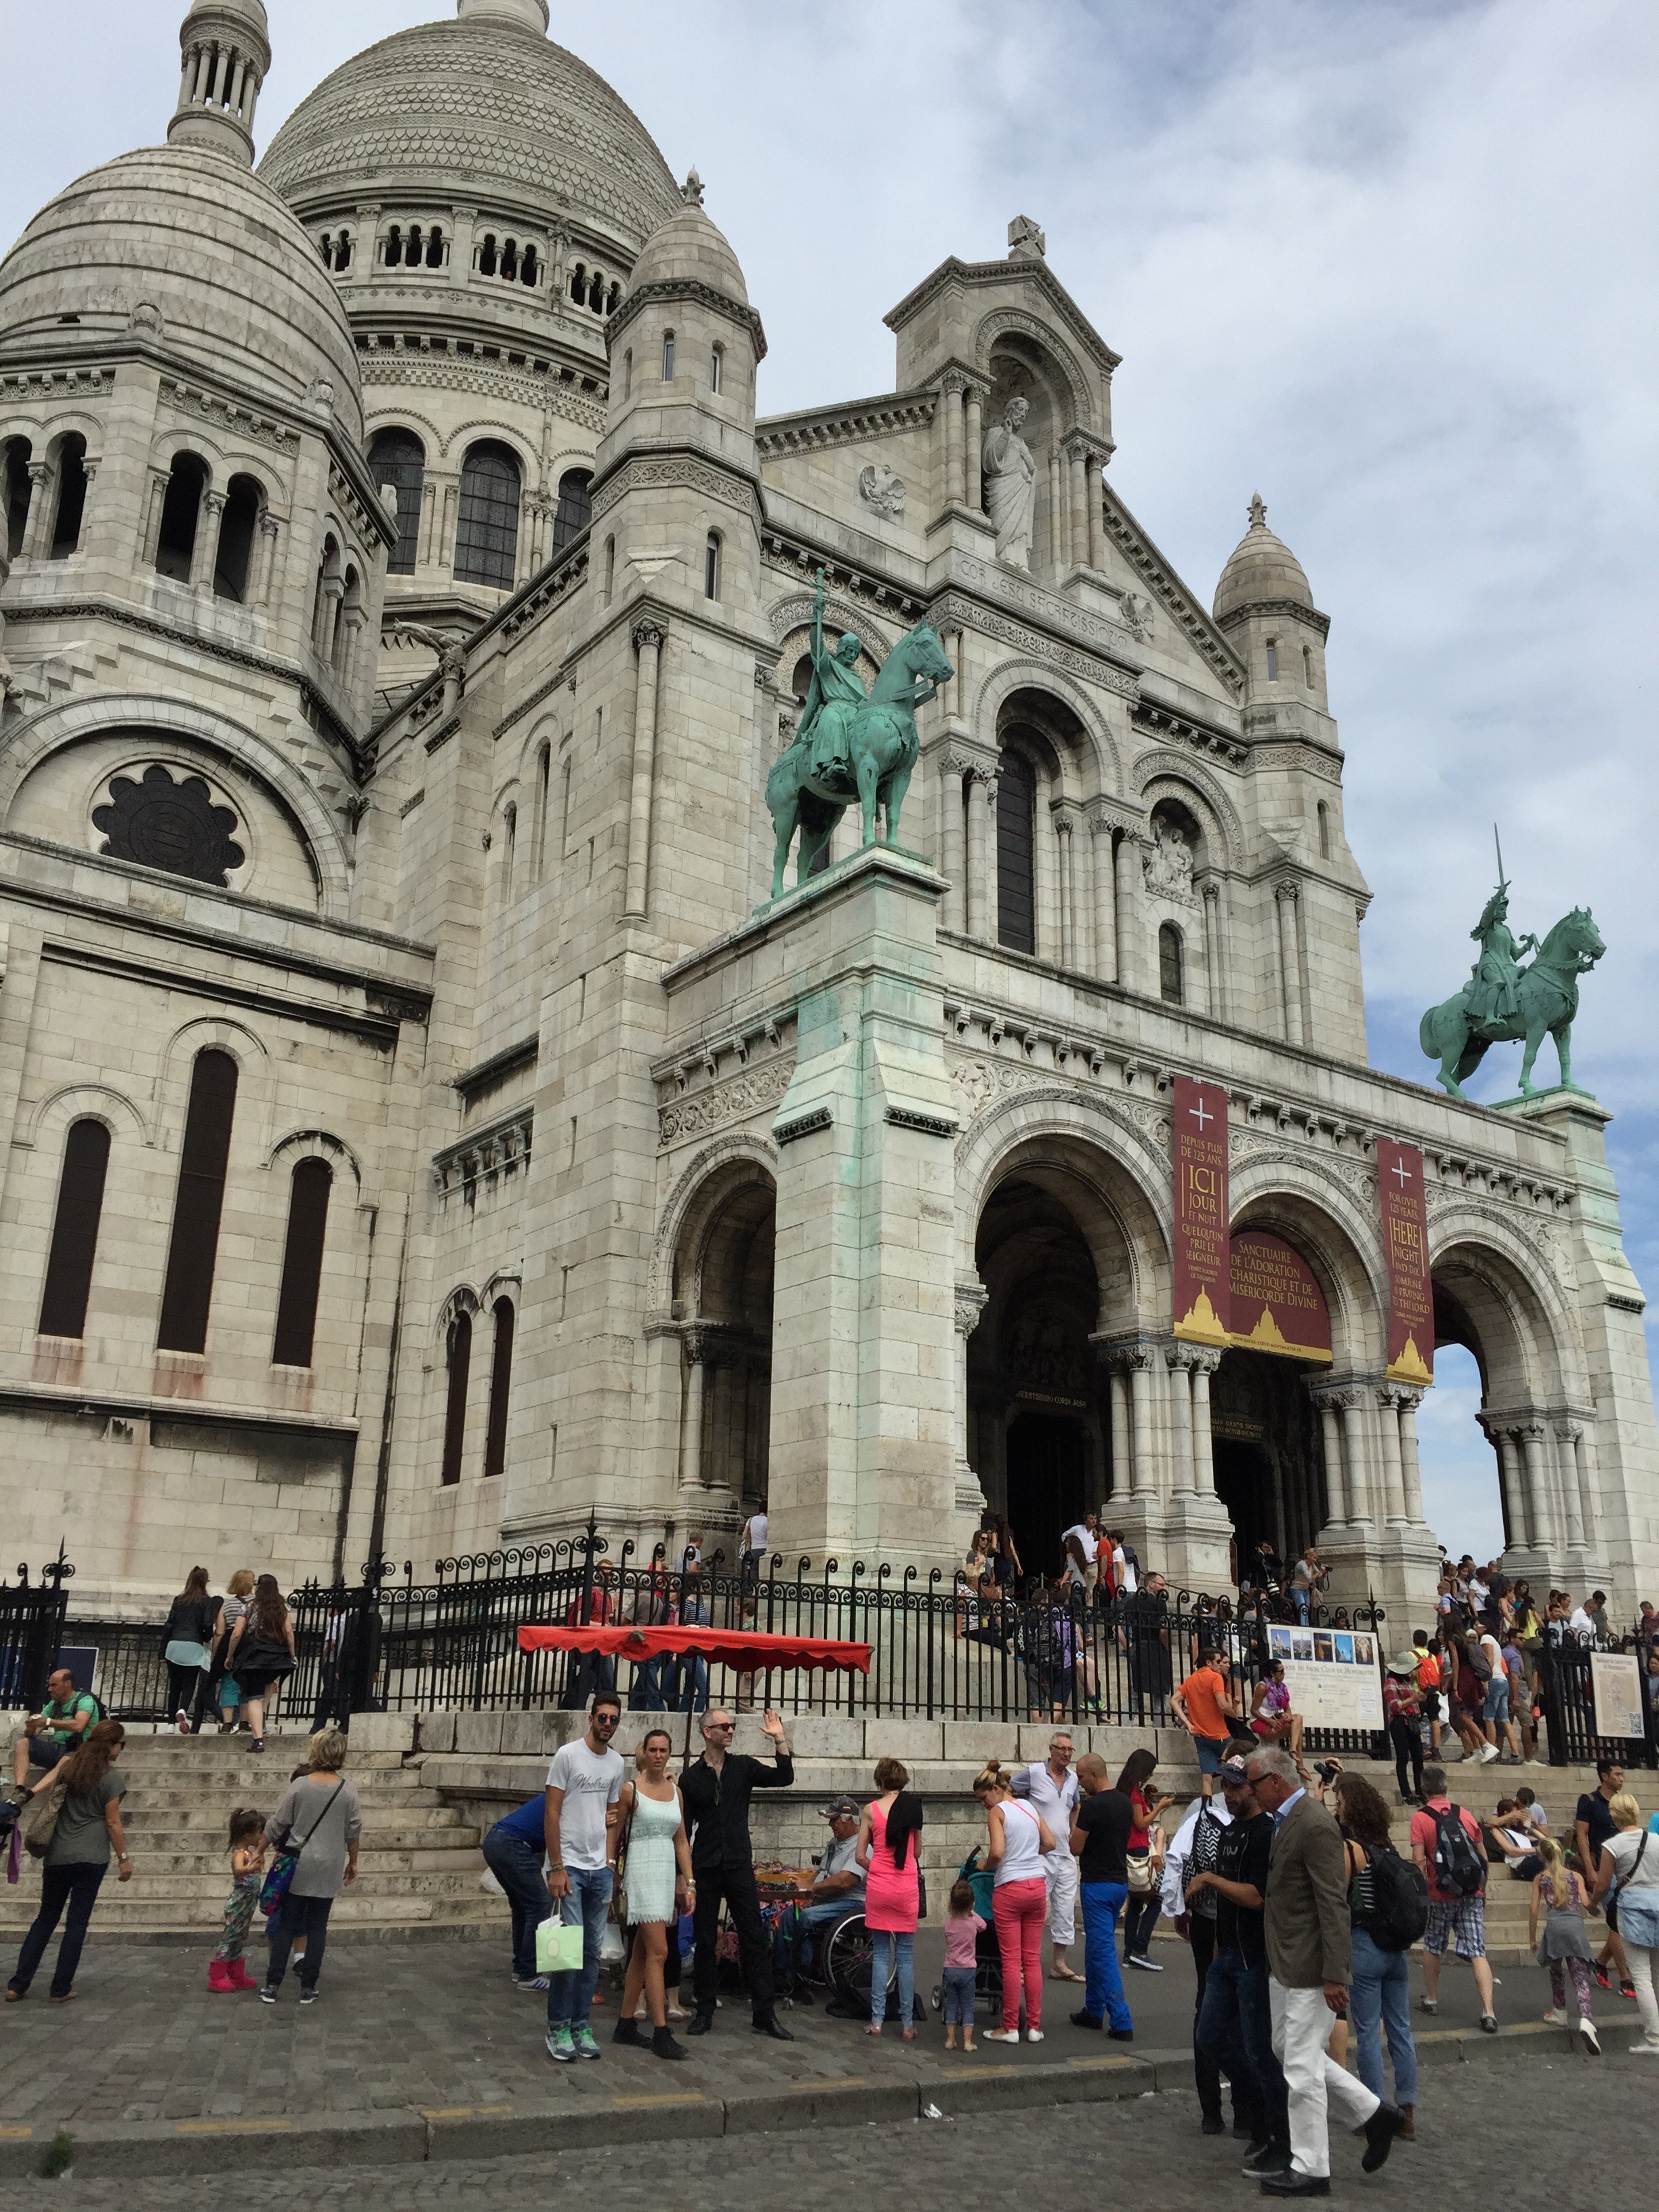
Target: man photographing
[[715, 1792]]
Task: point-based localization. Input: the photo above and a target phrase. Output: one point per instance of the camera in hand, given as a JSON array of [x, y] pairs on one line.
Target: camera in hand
[[1326, 1769]]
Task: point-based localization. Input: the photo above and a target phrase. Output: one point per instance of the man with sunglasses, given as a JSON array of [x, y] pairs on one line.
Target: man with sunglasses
[[581, 1827], [715, 1792]]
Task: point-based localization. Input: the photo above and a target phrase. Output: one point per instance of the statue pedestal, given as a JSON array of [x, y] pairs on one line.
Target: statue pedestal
[[862, 1446]]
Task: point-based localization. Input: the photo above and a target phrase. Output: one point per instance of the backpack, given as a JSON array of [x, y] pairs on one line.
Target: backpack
[[1400, 1898], [1458, 1866]]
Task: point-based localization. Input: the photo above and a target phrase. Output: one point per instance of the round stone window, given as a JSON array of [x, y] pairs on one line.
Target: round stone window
[[160, 820]]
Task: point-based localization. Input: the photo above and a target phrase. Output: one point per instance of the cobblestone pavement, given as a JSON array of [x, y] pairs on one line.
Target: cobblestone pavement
[[438, 2026], [1557, 2125]]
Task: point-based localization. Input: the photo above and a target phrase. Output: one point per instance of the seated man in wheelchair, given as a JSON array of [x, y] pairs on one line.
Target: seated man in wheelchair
[[837, 1889]]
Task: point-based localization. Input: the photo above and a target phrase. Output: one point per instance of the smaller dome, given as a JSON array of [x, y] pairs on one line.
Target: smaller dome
[[689, 249], [1261, 566]]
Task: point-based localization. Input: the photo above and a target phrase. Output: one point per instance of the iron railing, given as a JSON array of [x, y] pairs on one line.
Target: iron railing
[[390, 1643], [1566, 1678], [31, 1631]]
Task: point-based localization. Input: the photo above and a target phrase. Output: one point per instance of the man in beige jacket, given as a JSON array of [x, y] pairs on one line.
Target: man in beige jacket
[[1309, 1964]]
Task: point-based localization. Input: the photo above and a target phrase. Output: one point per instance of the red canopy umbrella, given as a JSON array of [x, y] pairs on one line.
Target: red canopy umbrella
[[743, 1648]]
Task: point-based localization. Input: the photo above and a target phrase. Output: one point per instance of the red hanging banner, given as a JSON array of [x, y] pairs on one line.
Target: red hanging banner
[[1406, 1247], [1277, 1303], [1201, 1263]]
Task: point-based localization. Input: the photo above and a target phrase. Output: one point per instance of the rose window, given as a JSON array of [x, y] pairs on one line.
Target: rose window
[[175, 825]]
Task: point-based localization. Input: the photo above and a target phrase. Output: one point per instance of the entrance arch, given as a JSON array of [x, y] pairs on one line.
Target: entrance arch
[[721, 1289]]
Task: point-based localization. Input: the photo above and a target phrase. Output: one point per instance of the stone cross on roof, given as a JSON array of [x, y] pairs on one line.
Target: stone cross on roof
[[1025, 241]]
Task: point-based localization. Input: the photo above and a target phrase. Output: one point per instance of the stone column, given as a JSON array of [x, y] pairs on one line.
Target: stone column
[[1289, 960], [1408, 1400], [446, 542], [1178, 1360], [1058, 532], [971, 1299], [159, 479], [1080, 508], [270, 534], [1102, 853], [950, 401], [647, 643], [1212, 891], [981, 854], [328, 616], [1096, 520], [1132, 951], [953, 841], [1393, 1484], [354, 630], [1356, 1472], [205, 552], [1068, 931], [1530, 1434], [431, 496], [695, 1384], [1575, 1477], [1518, 1505], [1336, 1489], [36, 535], [1204, 1361], [976, 413], [1123, 1460]]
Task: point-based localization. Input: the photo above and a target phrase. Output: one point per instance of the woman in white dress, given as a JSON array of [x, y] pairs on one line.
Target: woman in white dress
[[656, 1887]]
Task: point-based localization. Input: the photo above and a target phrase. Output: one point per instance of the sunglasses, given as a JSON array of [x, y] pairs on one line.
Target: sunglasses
[[607, 1720], [720, 1728]]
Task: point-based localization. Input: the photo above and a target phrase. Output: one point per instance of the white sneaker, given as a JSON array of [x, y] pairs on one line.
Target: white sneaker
[[1587, 2029], [1555, 2017], [1489, 1755], [1033, 2035], [1001, 2035], [182, 1720], [1648, 2050]]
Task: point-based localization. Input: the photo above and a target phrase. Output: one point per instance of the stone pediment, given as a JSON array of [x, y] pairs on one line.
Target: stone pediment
[[1024, 282]]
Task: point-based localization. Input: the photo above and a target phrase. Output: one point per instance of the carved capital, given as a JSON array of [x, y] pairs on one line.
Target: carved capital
[[1203, 1358], [1063, 825], [971, 1300], [1286, 891], [953, 381], [1211, 890], [269, 526], [646, 634]]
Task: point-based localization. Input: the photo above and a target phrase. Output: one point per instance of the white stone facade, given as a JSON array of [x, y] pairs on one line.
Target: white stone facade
[[644, 1196]]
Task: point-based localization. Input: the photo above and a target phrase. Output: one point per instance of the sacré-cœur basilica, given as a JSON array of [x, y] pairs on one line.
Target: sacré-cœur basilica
[[425, 1128]]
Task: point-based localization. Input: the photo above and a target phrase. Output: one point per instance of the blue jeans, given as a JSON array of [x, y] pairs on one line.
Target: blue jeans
[[75, 1887], [1235, 2026], [645, 1693], [1302, 1600], [570, 1997], [882, 1943], [688, 1691], [1380, 1999], [517, 1865], [1103, 1979], [960, 1984]]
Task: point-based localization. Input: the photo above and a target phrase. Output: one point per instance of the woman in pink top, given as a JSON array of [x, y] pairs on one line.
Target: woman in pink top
[[887, 1850]]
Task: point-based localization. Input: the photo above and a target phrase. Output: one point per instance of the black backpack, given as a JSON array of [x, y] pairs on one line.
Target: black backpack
[[1458, 1866], [1400, 1898]]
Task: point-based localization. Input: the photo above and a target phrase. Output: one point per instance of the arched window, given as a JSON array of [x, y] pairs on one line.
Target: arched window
[[460, 1369], [716, 368], [394, 246], [18, 489], [578, 284], [234, 562], [349, 627], [486, 532], [610, 568], [1272, 660], [302, 1264], [1016, 853], [487, 255], [1170, 958], [193, 1250], [413, 250], [181, 513], [1324, 831], [501, 1387], [434, 248], [544, 781], [711, 566], [576, 507], [509, 850], [398, 458], [510, 261], [342, 252], [529, 268], [325, 607], [668, 356], [71, 497], [596, 292], [75, 1230], [1307, 666]]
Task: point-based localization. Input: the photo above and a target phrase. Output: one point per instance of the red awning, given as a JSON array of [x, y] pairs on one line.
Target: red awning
[[722, 1647]]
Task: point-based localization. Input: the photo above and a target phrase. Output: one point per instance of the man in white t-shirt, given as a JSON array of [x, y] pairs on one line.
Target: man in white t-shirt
[[1050, 1787], [1581, 1624], [1126, 1566], [1086, 1535], [1496, 1710], [584, 1784], [752, 1541]]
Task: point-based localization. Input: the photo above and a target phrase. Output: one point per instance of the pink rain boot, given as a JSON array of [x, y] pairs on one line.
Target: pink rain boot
[[219, 1978], [239, 1977]]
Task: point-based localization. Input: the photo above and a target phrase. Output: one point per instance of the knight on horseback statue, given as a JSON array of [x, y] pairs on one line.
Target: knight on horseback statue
[[1502, 1001]]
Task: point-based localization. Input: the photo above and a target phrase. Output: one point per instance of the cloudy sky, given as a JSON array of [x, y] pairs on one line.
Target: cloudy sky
[[1392, 264]]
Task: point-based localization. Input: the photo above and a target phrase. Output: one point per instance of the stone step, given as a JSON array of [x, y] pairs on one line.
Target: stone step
[[116, 1915], [205, 1845]]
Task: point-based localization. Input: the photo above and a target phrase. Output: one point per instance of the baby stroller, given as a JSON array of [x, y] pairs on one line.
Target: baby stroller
[[987, 1955]]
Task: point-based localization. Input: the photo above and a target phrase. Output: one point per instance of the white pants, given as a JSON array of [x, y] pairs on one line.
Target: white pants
[[1060, 1872], [1302, 2027], [1644, 1968]]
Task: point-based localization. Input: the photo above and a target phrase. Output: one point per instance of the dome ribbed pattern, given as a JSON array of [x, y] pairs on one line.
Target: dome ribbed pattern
[[689, 249], [473, 107], [240, 289], [1261, 566]]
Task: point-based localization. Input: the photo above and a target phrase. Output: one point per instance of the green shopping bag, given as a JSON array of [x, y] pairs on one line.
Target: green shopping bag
[[558, 1947]]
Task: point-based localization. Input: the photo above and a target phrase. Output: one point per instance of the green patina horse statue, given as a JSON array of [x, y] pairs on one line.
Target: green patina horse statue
[[1546, 998], [879, 739]]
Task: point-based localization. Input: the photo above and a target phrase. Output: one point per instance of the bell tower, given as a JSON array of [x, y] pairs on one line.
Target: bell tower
[[225, 50]]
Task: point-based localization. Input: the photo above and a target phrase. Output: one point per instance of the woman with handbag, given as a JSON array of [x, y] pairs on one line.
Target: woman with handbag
[[1144, 1858], [192, 1631], [314, 1831], [888, 1850], [260, 1653], [655, 1867], [1630, 1857], [73, 1824]]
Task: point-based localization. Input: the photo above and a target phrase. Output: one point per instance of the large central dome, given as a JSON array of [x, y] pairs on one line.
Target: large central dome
[[485, 106]]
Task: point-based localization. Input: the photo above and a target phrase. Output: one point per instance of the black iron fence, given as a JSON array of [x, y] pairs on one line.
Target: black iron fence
[[1598, 1703], [392, 1645], [31, 1631]]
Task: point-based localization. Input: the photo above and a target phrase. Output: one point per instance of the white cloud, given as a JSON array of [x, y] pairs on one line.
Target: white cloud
[[1391, 263]]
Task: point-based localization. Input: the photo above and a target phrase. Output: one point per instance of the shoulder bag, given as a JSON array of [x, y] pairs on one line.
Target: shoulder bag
[[39, 1823], [280, 1879]]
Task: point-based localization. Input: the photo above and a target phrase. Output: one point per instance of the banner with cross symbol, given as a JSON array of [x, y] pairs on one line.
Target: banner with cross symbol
[[1202, 1211], [1406, 1248]]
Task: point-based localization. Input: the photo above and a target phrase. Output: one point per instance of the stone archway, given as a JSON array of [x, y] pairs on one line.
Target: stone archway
[[721, 1290]]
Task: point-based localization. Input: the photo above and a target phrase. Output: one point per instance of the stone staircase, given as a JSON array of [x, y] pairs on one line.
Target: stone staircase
[[418, 1865]]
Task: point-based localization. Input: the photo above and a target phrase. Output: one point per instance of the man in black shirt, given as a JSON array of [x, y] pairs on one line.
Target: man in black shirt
[[1144, 1631], [1234, 2024], [715, 1794], [1592, 1826], [1100, 1835]]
